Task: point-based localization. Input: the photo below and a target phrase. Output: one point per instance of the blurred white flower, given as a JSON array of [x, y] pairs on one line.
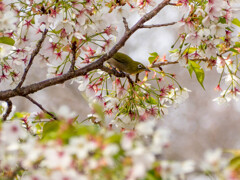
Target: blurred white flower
[[146, 127], [83, 82], [57, 158], [213, 160], [179, 96], [218, 29], [65, 112], [12, 131], [8, 20], [194, 38], [221, 100], [110, 150]]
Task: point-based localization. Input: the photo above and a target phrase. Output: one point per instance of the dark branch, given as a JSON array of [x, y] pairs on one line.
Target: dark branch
[[137, 78], [117, 74], [74, 50], [158, 25], [33, 55], [23, 91], [9, 109], [125, 24], [173, 4], [40, 106], [111, 71], [130, 80]]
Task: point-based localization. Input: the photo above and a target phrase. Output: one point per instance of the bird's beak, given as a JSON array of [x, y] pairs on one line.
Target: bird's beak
[[147, 70]]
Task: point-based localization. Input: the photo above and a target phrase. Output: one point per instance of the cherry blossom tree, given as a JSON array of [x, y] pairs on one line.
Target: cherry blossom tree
[[72, 40]]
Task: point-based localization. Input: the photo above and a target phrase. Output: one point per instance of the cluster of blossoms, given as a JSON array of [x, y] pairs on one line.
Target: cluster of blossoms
[[125, 104], [91, 25], [32, 148], [88, 28], [68, 150], [207, 36]]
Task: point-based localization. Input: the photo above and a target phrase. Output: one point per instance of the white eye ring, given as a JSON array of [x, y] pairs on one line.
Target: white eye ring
[[140, 66]]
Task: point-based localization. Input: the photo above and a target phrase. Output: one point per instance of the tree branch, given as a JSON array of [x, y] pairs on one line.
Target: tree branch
[[115, 73], [33, 55], [173, 4], [163, 64], [40, 106], [23, 91], [9, 109], [125, 24], [74, 49], [158, 25], [175, 62]]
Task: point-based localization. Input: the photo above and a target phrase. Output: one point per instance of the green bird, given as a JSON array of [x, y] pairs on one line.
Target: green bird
[[126, 64]]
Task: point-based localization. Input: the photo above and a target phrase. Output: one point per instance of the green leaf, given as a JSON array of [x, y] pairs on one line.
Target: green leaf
[[151, 175], [236, 22], [190, 70], [222, 20], [234, 50], [86, 130], [154, 54], [1, 109], [190, 50], [237, 44], [115, 138], [235, 162], [99, 110], [7, 40], [153, 57], [193, 66], [173, 51], [50, 130], [151, 100]]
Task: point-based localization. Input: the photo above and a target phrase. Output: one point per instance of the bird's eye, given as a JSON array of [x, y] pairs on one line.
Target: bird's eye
[[140, 66]]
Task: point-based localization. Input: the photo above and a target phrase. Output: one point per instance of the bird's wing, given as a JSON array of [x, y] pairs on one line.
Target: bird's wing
[[122, 58]]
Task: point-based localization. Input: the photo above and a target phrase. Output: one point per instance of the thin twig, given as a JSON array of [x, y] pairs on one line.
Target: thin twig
[[173, 4], [9, 109], [175, 62], [158, 25], [125, 24], [117, 74], [163, 64], [74, 49], [40, 106], [130, 80], [33, 55], [137, 78]]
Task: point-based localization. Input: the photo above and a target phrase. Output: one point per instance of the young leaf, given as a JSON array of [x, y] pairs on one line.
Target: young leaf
[[151, 100], [190, 70], [234, 50], [190, 50], [99, 110], [235, 162], [236, 22], [193, 66], [154, 56], [7, 40], [50, 130]]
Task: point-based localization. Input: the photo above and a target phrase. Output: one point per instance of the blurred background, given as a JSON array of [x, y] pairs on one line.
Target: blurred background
[[196, 125]]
